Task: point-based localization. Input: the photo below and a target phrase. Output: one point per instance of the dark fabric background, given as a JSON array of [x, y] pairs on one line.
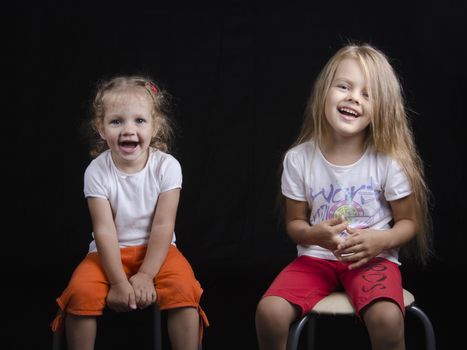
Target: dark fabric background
[[241, 72]]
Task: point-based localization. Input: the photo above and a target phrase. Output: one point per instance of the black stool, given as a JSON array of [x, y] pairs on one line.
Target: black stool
[[338, 303]]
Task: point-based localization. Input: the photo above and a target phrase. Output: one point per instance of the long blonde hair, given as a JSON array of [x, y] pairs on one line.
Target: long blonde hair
[[161, 103], [389, 131]]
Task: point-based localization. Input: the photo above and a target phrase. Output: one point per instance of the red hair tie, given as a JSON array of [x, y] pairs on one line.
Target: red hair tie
[[153, 88]]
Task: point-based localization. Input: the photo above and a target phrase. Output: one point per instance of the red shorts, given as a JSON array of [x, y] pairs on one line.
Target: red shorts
[[307, 280], [85, 295]]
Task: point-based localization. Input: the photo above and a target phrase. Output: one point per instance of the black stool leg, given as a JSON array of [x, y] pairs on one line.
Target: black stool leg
[[57, 340], [294, 332], [157, 328], [429, 332], [311, 332]]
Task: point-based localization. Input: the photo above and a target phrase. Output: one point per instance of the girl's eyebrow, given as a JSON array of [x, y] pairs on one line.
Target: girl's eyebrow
[[113, 116], [344, 79]]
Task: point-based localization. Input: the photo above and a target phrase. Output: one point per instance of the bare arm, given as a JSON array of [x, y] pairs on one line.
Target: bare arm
[[121, 295], [160, 238], [365, 244], [324, 234], [405, 222]]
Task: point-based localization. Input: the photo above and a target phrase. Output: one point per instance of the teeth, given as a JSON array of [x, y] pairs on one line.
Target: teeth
[[348, 111]]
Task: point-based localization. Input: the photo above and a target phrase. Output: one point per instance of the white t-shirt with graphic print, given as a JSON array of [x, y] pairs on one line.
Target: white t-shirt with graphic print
[[360, 192], [132, 197]]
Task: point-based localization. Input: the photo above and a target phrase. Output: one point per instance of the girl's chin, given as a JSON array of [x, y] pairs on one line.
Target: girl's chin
[[128, 156], [128, 150]]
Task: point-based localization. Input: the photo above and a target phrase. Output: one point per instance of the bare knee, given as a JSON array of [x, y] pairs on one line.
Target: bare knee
[[385, 324], [183, 327], [384, 315], [187, 317], [273, 318], [275, 311], [80, 332]]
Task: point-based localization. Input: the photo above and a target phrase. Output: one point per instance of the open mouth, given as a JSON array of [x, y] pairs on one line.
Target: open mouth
[[348, 112], [128, 146]]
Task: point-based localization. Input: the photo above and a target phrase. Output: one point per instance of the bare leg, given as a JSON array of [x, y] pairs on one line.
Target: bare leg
[[80, 332], [385, 324], [183, 327], [273, 318]]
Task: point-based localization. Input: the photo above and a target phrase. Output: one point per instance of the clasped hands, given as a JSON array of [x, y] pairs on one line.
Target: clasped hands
[[137, 292], [354, 246]]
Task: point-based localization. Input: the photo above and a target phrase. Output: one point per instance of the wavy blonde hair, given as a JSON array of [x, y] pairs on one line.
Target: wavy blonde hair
[[161, 103], [389, 131]]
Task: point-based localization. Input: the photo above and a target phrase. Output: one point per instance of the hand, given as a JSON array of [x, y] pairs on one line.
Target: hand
[[121, 297], [143, 285], [360, 247], [327, 233]]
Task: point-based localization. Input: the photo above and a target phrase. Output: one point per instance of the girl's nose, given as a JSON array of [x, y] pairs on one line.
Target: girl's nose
[[353, 98], [128, 130]]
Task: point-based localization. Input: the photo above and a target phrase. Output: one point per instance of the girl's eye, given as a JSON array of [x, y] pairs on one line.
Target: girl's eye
[[140, 121], [115, 122], [342, 87], [366, 95]]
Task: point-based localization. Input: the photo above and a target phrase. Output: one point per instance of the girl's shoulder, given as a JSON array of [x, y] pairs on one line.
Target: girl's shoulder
[[381, 158], [302, 153], [158, 157], [102, 162], [303, 149], [160, 161]]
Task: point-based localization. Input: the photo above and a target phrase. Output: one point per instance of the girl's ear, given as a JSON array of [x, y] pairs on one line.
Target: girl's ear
[[101, 132], [156, 128]]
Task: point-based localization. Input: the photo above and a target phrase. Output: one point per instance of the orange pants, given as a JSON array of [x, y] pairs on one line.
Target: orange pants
[[85, 295]]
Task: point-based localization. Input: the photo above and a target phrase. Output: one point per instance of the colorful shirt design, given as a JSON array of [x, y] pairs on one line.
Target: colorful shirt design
[[360, 192]]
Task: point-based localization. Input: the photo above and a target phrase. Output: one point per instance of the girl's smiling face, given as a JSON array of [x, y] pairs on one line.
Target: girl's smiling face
[[128, 127], [347, 106]]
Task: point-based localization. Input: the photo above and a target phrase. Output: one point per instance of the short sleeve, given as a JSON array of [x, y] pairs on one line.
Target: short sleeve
[[94, 184], [170, 174], [292, 180], [397, 184]]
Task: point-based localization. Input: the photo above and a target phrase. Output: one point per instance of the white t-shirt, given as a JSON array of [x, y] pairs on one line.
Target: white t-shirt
[[360, 192], [132, 197]]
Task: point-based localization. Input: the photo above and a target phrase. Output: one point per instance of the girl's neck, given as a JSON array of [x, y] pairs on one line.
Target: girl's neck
[[342, 151], [133, 166]]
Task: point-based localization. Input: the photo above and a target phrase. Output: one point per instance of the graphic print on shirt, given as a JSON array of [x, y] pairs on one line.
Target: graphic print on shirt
[[359, 204]]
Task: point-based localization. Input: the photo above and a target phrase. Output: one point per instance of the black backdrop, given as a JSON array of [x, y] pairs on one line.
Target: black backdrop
[[241, 72]]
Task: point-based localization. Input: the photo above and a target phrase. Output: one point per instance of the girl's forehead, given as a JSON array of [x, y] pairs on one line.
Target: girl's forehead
[[134, 95], [348, 64], [351, 68]]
